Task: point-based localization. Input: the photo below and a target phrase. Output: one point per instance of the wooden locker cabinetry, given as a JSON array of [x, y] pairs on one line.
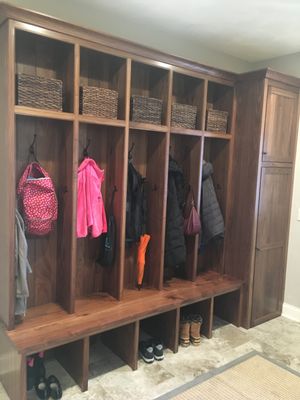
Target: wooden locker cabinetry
[[72, 296], [280, 126], [271, 242], [263, 164]]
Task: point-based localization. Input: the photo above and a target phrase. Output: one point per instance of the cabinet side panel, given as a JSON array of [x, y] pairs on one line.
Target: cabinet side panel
[[7, 176], [12, 369], [243, 203]]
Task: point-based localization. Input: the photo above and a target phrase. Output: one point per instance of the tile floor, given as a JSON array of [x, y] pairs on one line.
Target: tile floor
[[279, 339]]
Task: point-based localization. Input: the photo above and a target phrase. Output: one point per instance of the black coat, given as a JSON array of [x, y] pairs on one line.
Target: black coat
[[175, 249], [212, 218]]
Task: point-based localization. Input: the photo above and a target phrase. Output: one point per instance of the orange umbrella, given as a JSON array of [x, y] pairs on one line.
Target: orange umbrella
[[144, 240]]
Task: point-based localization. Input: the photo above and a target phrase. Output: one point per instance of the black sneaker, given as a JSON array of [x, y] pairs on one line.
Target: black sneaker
[[41, 388], [146, 351], [54, 388], [158, 350]]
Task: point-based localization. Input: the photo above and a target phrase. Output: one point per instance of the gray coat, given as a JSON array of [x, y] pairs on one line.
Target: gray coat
[[22, 266], [212, 218]]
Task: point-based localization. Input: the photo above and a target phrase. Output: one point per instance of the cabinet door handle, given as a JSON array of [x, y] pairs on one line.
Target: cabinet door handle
[[265, 153]]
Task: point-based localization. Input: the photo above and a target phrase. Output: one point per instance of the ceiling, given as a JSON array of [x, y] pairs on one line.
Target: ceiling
[[250, 30]]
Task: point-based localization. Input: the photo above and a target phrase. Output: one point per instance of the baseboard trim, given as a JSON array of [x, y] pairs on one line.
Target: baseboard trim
[[291, 312]]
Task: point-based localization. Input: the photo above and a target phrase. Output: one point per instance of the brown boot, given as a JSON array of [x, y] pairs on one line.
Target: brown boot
[[196, 322], [184, 332]]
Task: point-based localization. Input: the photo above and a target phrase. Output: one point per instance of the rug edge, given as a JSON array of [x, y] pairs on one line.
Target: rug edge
[[210, 374]]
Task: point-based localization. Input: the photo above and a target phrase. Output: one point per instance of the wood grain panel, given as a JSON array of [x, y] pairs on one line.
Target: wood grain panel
[[12, 368], [221, 97], [107, 149], [274, 207], [74, 357], [216, 151], [49, 326], [151, 82], [239, 238], [187, 151], [191, 91], [124, 342], [228, 307], [105, 71], [49, 255], [66, 246], [271, 242], [164, 327], [7, 176], [267, 292], [48, 58], [280, 127], [149, 158]]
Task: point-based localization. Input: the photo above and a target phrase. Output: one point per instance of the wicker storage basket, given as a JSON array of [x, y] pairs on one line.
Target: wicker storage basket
[[216, 120], [38, 92], [146, 109], [99, 102], [184, 116]]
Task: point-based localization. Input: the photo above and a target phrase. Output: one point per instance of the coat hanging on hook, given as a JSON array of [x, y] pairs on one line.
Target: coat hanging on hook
[[91, 217]]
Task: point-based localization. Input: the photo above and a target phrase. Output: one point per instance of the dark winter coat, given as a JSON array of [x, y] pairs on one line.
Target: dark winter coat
[[212, 218], [175, 249], [135, 205]]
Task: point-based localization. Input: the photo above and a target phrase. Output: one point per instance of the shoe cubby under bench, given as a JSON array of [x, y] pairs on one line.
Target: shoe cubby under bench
[[49, 327]]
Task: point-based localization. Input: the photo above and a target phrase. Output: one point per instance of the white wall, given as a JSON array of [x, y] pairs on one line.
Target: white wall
[[133, 29], [71, 10]]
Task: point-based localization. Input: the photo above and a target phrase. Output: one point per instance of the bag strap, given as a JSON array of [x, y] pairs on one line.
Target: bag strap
[[191, 192], [111, 205], [27, 172], [39, 168], [23, 178]]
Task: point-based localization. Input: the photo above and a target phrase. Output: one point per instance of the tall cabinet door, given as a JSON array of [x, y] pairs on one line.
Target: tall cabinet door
[[271, 241], [280, 126]]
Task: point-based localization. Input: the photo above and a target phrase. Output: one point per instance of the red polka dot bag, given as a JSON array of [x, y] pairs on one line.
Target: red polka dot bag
[[38, 200]]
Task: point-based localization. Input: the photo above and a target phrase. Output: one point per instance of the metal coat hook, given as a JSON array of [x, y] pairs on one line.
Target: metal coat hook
[[85, 150], [33, 148], [130, 151]]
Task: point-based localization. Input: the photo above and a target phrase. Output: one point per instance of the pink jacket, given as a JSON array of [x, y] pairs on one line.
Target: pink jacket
[[91, 216]]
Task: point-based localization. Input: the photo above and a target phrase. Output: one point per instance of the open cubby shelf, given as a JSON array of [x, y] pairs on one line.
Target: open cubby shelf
[[190, 91], [151, 81], [46, 58], [221, 97], [106, 147], [217, 153], [187, 151], [49, 255], [72, 296], [149, 157], [104, 71]]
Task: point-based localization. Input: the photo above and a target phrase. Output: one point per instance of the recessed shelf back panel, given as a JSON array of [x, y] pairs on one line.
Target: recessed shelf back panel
[[46, 255], [47, 58], [107, 149], [104, 71]]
